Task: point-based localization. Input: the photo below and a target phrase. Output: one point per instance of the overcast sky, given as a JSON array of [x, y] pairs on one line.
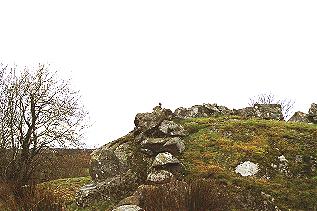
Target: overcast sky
[[126, 56]]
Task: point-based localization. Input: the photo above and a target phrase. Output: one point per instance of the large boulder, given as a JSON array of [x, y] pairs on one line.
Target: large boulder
[[147, 123], [312, 113], [117, 168], [299, 117], [263, 111]]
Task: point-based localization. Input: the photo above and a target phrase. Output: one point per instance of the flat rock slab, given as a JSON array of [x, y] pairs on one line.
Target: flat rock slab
[[174, 145], [165, 158], [128, 208]]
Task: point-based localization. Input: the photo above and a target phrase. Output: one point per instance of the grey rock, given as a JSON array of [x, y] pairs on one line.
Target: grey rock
[[205, 110], [128, 208], [146, 122], [160, 177], [170, 128], [312, 113], [154, 144], [299, 117], [104, 164], [165, 158], [174, 145], [115, 170], [263, 111]]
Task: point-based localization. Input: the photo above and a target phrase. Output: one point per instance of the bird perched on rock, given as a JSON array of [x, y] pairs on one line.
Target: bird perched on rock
[[157, 108]]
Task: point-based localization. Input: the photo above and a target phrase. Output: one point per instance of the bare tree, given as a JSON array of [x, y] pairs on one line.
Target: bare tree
[[37, 111], [287, 105]]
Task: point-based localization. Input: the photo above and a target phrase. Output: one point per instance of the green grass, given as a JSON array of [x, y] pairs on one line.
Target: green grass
[[65, 189], [216, 146]]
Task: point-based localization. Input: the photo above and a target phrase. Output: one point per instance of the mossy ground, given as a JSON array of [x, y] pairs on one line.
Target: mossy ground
[[215, 146]]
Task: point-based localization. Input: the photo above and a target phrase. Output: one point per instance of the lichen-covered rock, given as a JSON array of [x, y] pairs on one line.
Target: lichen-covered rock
[[146, 122], [312, 113], [299, 117], [159, 177], [170, 128], [128, 208], [263, 111], [205, 110], [165, 158], [105, 164], [117, 169], [247, 168]]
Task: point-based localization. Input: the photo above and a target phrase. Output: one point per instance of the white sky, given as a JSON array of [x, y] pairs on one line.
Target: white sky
[[126, 56]]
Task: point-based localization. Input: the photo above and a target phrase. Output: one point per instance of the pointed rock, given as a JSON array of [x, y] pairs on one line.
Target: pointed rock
[[299, 117]]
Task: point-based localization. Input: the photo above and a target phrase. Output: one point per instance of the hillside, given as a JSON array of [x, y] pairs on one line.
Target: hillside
[[208, 158], [284, 152]]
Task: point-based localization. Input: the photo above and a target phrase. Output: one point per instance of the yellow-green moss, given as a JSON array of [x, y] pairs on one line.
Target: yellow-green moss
[[217, 145]]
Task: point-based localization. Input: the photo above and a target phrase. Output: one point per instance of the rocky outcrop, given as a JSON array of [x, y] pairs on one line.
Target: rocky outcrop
[[299, 117], [204, 110], [147, 123], [148, 156], [312, 113], [263, 111], [311, 117]]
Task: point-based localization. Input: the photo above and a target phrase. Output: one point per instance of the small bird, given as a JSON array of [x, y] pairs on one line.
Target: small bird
[[157, 108]]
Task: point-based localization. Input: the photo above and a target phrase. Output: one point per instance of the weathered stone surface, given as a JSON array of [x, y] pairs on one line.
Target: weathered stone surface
[[145, 122], [165, 158], [134, 200], [312, 113], [263, 111], [205, 110], [154, 144], [174, 145], [159, 177], [128, 208], [87, 194], [247, 168], [105, 164], [170, 128], [299, 117]]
